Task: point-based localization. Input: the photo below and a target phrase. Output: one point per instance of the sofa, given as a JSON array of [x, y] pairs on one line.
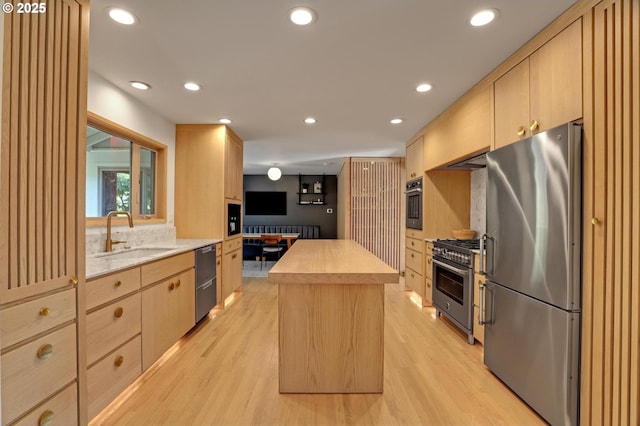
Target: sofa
[[251, 248]]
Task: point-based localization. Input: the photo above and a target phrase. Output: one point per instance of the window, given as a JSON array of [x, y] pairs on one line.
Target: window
[[124, 171]]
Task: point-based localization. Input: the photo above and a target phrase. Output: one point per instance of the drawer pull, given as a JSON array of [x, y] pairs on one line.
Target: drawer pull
[[172, 286], [44, 312], [520, 131], [428, 260], [117, 284], [234, 255], [118, 361], [45, 351], [46, 418], [534, 125], [118, 312], [74, 280], [178, 283]]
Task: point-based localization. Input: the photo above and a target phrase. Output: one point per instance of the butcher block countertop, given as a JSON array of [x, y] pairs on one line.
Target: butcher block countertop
[[331, 262]]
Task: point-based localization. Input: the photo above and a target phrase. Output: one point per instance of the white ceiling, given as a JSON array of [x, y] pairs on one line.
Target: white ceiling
[[353, 70]]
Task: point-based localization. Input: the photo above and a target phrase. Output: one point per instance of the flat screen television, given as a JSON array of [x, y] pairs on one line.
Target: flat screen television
[[265, 203]]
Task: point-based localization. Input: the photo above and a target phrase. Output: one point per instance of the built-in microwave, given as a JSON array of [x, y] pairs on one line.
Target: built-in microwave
[[233, 219], [414, 204]]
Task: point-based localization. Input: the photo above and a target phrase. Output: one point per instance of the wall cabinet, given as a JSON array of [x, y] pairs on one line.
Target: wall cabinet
[[233, 167], [542, 91], [168, 306], [414, 159]]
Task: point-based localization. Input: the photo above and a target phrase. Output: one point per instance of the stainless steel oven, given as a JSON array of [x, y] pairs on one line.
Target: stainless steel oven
[[414, 204], [453, 282]]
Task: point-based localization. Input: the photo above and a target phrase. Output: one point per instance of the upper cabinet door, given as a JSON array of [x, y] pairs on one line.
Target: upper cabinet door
[[413, 162], [511, 105], [42, 169], [233, 168], [556, 79]]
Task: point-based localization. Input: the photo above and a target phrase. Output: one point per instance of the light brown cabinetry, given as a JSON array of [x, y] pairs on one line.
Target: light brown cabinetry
[[446, 203], [113, 322], [427, 299], [219, 274], [478, 280], [462, 130], [231, 267], [233, 168], [44, 92], [168, 306], [542, 91], [414, 159], [414, 265]]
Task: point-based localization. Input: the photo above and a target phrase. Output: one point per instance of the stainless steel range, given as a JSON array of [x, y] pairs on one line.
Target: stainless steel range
[[453, 282]]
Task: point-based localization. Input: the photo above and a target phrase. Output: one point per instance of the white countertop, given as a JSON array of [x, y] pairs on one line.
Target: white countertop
[[98, 264]]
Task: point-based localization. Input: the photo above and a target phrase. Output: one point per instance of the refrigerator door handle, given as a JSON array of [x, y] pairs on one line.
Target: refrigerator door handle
[[482, 302], [483, 238]]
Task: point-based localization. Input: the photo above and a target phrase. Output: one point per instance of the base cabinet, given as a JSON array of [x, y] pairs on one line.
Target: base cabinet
[[427, 299], [478, 280], [168, 312], [231, 267]]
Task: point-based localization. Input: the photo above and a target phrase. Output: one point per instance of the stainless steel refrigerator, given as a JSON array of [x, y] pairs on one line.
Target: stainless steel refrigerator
[[531, 301]]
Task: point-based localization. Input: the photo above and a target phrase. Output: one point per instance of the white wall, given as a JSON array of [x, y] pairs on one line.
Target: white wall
[[110, 102]]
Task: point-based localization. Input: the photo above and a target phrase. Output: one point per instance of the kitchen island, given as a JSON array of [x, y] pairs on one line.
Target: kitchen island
[[331, 317]]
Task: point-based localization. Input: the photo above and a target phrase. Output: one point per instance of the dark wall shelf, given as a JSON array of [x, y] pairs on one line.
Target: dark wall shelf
[[310, 197]]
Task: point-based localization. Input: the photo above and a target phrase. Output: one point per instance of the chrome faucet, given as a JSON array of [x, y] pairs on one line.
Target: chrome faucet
[[108, 246]]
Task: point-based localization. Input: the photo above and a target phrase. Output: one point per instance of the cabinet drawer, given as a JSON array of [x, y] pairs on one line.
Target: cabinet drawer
[[428, 266], [428, 248], [414, 233], [161, 269], [28, 378], [109, 327], [61, 409], [427, 299], [28, 319], [109, 377], [231, 245], [414, 281], [415, 244], [104, 289], [413, 260]]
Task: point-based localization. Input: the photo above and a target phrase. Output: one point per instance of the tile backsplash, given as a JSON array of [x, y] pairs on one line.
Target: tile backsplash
[[136, 236], [479, 201]]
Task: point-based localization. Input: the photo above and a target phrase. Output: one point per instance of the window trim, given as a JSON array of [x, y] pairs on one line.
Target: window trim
[[137, 141]]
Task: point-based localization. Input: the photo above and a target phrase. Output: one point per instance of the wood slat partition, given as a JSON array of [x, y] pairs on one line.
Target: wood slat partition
[[611, 293], [376, 206], [42, 167]]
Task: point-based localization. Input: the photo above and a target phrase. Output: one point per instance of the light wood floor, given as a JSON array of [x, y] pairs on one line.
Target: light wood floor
[[225, 372]]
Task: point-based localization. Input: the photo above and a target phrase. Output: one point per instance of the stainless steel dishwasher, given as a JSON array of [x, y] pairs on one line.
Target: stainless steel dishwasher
[[206, 297]]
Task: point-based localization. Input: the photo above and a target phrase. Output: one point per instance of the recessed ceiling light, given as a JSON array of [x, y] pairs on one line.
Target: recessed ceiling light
[[424, 87], [483, 17], [140, 85], [122, 16], [225, 121], [310, 120], [396, 120], [194, 87], [302, 15]]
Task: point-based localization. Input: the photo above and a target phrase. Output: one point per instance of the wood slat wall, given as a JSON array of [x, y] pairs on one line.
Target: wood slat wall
[[376, 206], [43, 121], [611, 292]]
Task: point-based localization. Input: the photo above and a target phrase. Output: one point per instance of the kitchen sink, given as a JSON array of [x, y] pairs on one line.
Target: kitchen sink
[[135, 253]]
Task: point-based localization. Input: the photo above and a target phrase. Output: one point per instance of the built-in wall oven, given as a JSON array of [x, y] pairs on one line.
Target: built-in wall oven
[[414, 204], [452, 277]]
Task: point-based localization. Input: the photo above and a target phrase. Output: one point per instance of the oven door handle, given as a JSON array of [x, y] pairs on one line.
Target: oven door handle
[[449, 267], [411, 191]]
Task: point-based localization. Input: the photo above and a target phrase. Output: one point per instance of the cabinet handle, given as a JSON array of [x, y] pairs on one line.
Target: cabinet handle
[[429, 284], [46, 418], [117, 284], [411, 254], [118, 312], [118, 361], [412, 243], [534, 125], [595, 221], [429, 260], [45, 351], [172, 286], [520, 131], [44, 312], [178, 283], [74, 280], [218, 262], [234, 256]]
